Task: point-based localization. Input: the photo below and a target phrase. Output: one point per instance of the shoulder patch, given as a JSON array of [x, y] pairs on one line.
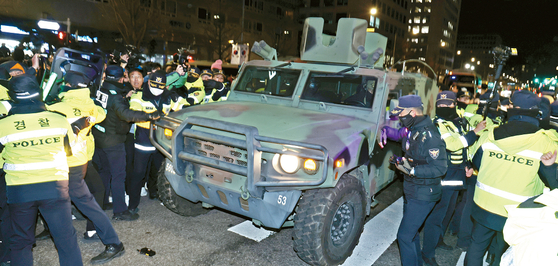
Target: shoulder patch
[[434, 153]]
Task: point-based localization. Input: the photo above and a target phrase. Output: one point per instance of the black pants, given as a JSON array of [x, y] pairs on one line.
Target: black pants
[[84, 201], [5, 223], [480, 240], [129, 144], [57, 213], [96, 187], [146, 165]]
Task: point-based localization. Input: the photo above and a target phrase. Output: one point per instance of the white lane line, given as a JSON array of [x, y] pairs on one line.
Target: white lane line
[[249, 230], [378, 235]]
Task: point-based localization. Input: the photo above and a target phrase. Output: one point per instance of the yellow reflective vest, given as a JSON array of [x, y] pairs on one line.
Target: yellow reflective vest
[[77, 104], [138, 104], [508, 174], [34, 150], [198, 95]]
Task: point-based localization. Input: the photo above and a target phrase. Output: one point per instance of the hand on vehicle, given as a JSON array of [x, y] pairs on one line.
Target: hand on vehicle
[[548, 158], [480, 127], [404, 166], [155, 116], [383, 138]]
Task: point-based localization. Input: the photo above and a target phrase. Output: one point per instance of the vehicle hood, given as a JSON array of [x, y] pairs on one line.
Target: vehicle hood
[[335, 132]]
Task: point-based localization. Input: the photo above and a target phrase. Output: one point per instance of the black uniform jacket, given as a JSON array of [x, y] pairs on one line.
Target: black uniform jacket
[[426, 151], [113, 130]]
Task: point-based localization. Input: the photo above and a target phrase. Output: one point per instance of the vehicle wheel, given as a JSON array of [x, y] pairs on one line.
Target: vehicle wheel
[[172, 201], [329, 222]]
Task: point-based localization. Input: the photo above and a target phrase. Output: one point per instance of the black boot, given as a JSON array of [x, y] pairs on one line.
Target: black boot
[[111, 251]]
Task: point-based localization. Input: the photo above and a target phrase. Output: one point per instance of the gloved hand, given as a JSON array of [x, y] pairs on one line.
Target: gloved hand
[[155, 115], [80, 124], [212, 84], [404, 166], [390, 133]]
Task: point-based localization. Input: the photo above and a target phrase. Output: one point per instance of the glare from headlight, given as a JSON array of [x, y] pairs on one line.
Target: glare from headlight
[[289, 163], [168, 133], [310, 167]]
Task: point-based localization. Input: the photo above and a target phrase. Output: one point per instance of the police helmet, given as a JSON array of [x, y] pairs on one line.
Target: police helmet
[[24, 88]]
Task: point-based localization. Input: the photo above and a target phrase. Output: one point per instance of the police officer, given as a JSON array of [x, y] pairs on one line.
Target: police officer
[[154, 98], [35, 144], [508, 159], [453, 131], [110, 135], [82, 113], [423, 166], [5, 221]]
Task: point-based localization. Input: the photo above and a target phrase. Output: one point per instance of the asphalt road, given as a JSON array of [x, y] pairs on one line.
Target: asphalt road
[[204, 240]]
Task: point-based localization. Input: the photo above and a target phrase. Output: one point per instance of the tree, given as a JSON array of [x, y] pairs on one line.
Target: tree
[[133, 17], [217, 35]]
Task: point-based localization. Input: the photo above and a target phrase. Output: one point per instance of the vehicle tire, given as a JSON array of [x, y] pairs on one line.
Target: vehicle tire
[[172, 201], [318, 237]]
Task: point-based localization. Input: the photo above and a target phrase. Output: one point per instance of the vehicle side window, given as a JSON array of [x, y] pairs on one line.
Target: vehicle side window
[[345, 89], [277, 82]]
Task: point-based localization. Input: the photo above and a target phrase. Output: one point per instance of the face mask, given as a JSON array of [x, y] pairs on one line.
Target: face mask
[[155, 91], [191, 79], [407, 121], [447, 113], [461, 105]]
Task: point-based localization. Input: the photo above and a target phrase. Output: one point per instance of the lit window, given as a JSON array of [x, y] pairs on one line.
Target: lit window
[[415, 40], [419, 1], [417, 19], [428, 1], [450, 25], [422, 58], [417, 9], [428, 9], [425, 29], [425, 20], [410, 21], [416, 29]]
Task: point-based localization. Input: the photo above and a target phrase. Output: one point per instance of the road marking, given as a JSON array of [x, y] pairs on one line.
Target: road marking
[[249, 230], [378, 234]]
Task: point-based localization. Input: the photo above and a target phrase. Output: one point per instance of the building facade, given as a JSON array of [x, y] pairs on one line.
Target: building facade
[[206, 28], [474, 51], [432, 28]]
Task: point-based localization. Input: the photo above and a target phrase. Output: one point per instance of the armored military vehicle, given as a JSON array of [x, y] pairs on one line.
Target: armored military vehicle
[[295, 143]]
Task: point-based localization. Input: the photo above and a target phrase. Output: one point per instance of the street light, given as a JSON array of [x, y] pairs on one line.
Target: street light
[[473, 59], [467, 66], [478, 62], [373, 11], [48, 25], [458, 52]]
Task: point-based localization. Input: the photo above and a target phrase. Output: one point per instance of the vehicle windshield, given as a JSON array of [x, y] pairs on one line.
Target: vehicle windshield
[[270, 81], [345, 89]]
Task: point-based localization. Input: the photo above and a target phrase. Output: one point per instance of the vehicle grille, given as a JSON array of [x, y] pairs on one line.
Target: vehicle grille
[[217, 151]]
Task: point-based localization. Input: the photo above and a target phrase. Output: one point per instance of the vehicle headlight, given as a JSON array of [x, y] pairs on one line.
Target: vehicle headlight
[[310, 166], [168, 133], [289, 163]]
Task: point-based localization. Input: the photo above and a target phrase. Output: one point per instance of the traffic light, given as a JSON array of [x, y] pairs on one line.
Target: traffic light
[[62, 35]]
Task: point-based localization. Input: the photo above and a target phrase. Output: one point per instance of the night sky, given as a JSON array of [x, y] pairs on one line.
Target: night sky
[[525, 24]]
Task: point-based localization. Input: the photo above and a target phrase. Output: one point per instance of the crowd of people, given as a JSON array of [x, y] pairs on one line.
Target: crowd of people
[[463, 168], [94, 153]]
